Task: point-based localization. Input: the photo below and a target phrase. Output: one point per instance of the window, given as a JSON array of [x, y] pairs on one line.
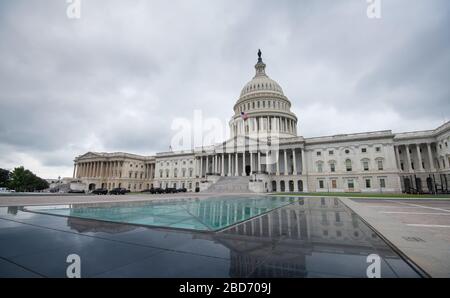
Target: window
[[402, 166], [382, 183], [367, 183], [319, 153], [347, 151], [363, 150], [319, 167], [130, 174], [333, 183], [332, 167], [348, 165], [337, 217], [380, 165], [377, 149], [365, 165], [331, 152], [350, 184], [321, 184]]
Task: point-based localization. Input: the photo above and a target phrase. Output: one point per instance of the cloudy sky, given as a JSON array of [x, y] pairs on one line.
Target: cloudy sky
[[115, 79]]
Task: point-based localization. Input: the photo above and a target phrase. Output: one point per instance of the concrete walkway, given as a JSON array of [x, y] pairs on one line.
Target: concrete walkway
[[421, 230]]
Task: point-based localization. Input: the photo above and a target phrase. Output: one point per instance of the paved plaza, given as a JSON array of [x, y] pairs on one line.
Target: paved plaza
[[411, 236]]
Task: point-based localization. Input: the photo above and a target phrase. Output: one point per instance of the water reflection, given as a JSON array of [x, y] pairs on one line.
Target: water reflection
[[307, 238]]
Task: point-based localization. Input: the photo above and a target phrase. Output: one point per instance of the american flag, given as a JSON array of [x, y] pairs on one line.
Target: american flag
[[244, 116]]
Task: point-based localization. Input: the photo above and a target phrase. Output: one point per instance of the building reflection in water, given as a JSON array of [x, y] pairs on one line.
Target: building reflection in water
[[302, 238]]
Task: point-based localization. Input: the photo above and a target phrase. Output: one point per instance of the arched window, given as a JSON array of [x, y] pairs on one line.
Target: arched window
[[348, 165]]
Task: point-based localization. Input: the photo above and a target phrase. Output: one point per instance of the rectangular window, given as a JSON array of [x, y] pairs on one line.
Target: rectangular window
[[378, 149], [382, 183], [350, 184], [367, 183], [332, 168], [319, 153], [366, 165], [333, 183], [402, 166], [331, 152], [321, 184], [363, 150], [319, 168], [380, 165]]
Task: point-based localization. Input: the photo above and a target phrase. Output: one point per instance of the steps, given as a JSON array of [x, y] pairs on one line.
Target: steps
[[231, 184]]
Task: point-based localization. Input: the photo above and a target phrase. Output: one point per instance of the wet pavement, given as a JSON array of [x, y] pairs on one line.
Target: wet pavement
[[308, 237]]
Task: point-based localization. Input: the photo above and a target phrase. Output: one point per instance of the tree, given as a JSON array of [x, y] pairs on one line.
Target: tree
[[23, 180], [4, 177]]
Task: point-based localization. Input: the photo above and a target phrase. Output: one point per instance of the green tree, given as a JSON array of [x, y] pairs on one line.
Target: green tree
[[4, 178], [24, 180]]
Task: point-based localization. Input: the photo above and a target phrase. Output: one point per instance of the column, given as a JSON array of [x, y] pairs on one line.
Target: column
[[229, 164], [294, 162], [286, 171], [223, 164], [251, 163], [408, 157], [207, 165], [74, 170], [201, 167], [430, 157], [102, 169], [259, 161], [278, 164], [302, 152], [397, 157], [419, 157], [243, 164], [236, 169]]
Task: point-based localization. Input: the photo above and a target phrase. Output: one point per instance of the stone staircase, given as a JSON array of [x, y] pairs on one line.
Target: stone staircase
[[230, 185]]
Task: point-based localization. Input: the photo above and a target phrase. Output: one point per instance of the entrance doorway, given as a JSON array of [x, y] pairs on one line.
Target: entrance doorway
[[300, 185], [274, 186], [291, 186], [407, 184], [92, 186], [247, 170]]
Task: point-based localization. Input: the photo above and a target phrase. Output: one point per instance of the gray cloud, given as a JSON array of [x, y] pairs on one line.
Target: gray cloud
[[115, 79]]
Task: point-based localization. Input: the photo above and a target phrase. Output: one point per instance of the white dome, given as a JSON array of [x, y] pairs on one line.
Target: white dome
[[261, 83]]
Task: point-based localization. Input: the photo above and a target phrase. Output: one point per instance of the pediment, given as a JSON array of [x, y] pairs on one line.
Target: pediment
[[89, 155]]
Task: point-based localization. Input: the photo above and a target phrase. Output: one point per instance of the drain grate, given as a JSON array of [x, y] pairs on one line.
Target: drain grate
[[413, 239]]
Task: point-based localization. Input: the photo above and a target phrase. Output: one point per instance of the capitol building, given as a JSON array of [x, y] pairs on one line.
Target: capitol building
[[265, 153]]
